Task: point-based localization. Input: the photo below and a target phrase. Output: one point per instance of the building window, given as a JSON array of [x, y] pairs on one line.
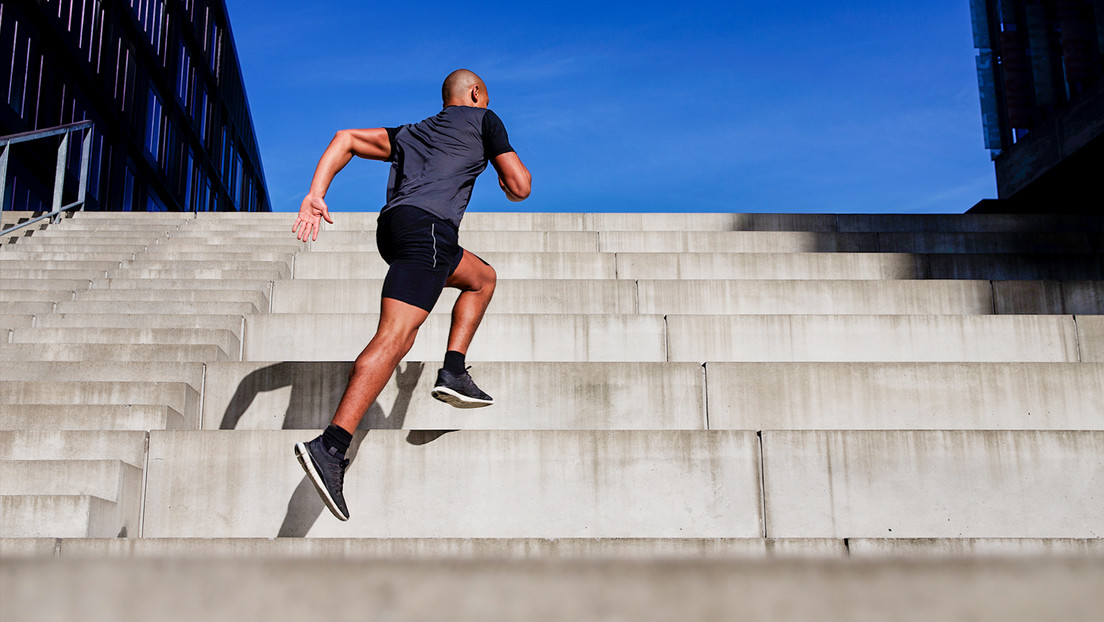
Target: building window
[[184, 73], [153, 124]]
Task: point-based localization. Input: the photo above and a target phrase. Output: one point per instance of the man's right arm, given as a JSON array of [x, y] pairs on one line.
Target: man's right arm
[[513, 177], [373, 144]]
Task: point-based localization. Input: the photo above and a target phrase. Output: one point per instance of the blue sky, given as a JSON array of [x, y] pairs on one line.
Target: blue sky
[[802, 106]]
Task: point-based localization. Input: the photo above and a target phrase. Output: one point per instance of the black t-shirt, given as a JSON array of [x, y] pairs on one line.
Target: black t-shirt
[[435, 161]]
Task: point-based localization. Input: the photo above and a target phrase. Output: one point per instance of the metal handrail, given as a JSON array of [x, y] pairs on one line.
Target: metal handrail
[[66, 131]]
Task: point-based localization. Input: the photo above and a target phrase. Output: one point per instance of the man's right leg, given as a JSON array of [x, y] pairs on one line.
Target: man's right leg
[[325, 463]]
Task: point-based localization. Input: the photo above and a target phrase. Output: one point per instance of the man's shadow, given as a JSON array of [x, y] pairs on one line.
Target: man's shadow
[[316, 390]]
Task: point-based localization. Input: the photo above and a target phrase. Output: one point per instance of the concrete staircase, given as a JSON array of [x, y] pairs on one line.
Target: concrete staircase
[[706, 387]]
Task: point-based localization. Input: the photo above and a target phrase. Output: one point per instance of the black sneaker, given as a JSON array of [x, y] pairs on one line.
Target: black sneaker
[[327, 472], [459, 390]]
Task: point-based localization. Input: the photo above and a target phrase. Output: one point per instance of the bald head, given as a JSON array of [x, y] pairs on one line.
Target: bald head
[[463, 88]]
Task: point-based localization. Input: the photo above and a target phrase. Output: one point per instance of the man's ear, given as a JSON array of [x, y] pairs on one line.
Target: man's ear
[[475, 94]]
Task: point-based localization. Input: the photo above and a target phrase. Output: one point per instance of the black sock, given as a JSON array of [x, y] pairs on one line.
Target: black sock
[[336, 437], [454, 362]]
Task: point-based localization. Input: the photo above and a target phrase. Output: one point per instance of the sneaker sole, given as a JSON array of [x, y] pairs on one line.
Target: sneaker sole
[[305, 461], [458, 400]]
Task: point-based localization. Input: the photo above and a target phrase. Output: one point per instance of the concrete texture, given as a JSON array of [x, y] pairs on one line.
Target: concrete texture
[[231, 323], [125, 336], [728, 265], [509, 265], [90, 417], [176, 395], [1009, 266], [1090, 333], [55, 445], [644, 549], [491, 591], [975, 548], [175, 307], [905, 396], [111, 352], [1054, 297], [529, 396], [852, 266], [948, 484], [502, 338], [1023, 223], [887, 338], [476, 241], [116, 371], [796, 242], [62, 516], [304, 296], [815, 297], [461, 484], [258, 299]]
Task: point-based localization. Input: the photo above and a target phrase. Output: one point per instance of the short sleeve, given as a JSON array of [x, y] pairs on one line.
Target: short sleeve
[[495, 140], [391, 133]]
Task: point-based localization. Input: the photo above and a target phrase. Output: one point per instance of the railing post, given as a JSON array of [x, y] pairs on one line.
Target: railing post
[[3, 173], [59, 175], [86, 152]]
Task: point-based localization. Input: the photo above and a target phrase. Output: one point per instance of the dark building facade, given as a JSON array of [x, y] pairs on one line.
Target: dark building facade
[[161, 82], [1040, 70]]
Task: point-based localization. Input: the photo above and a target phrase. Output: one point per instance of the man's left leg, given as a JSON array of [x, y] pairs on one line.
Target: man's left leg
[[476, 280]]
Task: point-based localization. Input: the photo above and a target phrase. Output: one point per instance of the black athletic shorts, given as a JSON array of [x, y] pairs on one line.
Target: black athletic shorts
[[421, 249]]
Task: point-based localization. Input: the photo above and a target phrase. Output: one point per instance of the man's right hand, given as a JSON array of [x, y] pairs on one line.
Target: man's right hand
[[311, 212]]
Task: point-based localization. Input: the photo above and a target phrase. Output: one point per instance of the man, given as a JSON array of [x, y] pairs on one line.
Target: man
[[434, 164]]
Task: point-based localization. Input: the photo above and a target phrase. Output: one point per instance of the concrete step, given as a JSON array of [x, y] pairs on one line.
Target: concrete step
[[139, 271], [106, 479], [132, 590], [549, 337], [64, 516], [994, 223], [279, 269], [154, 294], [63, 273], [275, 249], [972, 548], [28, 308], [463, 484], [510, 296], [32, 257], [172, 307], [491, 549], [906, 396], [933, 484], [66, 268], [528, 396], [112, 352], [176, 252], [1054, 297], [12, 296], [15, 320], [874, 338], [476, 241], [232, 323], [7, 284], [132, 231], [57, 445], [90, 417], [803, 242], [79, 244], [176, 395], [853, 266], [1090, 333], [57, 237], [191, 373], [536, 549], [257, 285], [508, 265], [129, 336]]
